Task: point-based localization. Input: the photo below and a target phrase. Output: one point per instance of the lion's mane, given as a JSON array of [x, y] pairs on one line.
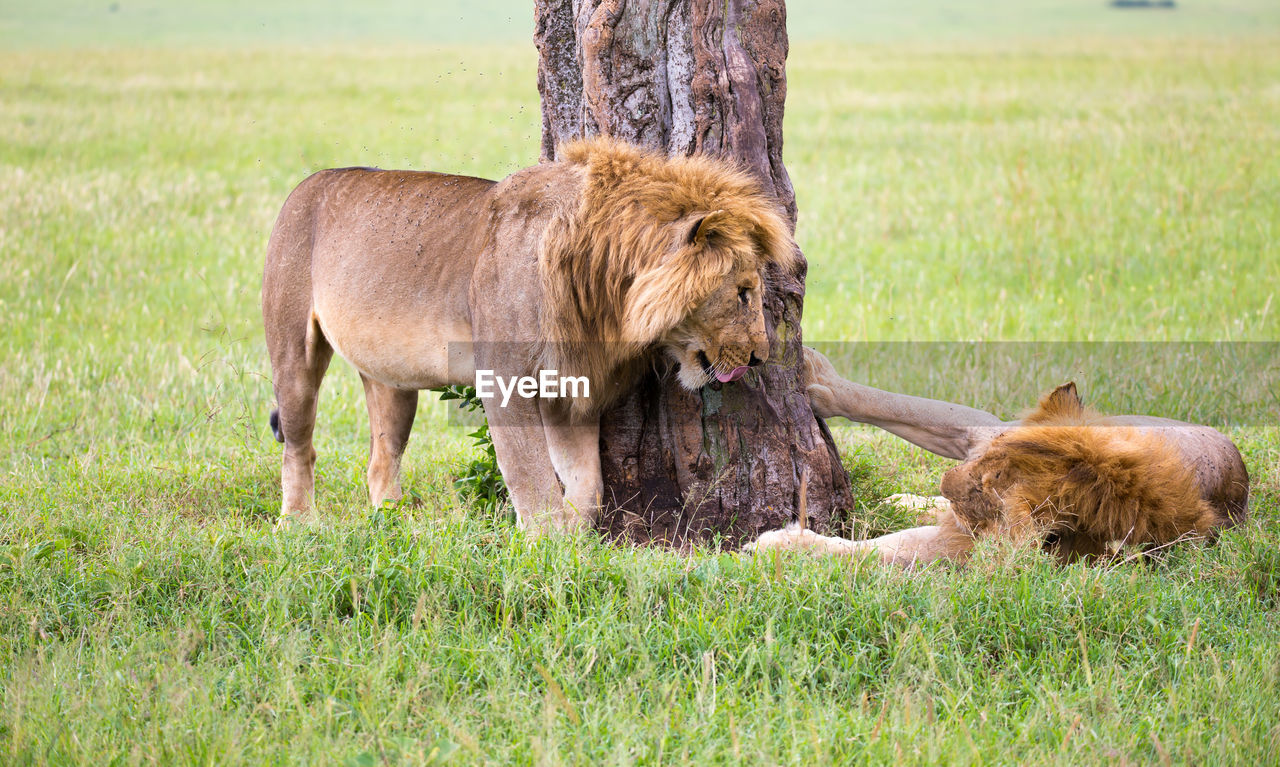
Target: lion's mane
[[615, 274], [1073, 472]]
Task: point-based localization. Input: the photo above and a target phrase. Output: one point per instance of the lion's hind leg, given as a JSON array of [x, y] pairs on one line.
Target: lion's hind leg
[[391, 414], [299, 351], [298, 363]]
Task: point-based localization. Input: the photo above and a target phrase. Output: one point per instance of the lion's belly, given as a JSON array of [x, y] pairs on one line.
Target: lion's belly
[[391, 265], [419, 352]]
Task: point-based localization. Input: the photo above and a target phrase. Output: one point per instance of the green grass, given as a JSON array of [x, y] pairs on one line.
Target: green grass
[[121, 23], [1114, 185], [108, 23]]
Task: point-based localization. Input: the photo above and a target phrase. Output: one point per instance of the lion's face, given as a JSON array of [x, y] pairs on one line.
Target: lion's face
[[1018, 479], [658, 256], [724, 335], [976, 488]]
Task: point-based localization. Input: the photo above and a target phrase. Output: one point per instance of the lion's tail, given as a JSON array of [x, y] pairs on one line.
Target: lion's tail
[[275, 425]]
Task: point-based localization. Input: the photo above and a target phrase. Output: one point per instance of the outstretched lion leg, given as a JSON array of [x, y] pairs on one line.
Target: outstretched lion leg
[[793, 537], [948, 540], [391, 414], [953, 431], [575, 453]]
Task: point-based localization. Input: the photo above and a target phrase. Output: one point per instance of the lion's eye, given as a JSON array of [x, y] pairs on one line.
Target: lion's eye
[[744, 295]]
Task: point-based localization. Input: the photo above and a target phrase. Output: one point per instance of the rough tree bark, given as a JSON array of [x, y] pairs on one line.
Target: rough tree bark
[[689, 76]]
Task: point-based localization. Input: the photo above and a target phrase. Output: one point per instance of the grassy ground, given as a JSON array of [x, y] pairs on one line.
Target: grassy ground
[[1122, 187]]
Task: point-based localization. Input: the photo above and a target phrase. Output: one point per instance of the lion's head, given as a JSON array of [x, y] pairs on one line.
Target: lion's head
[[1025, 469], [1065, 470], [724, 334], [662, 255]]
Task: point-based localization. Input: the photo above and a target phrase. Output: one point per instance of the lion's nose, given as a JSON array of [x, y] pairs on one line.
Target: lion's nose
[[754, 361], [952, 485]]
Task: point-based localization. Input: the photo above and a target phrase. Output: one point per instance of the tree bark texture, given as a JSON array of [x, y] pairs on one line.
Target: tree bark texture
[[686, 76]]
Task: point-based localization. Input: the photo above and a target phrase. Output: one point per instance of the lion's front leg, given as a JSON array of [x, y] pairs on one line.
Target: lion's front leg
[[574, 448], [948, 540], [889, 549], [522, 442], [794, 537], [945, 541], [930, 503]]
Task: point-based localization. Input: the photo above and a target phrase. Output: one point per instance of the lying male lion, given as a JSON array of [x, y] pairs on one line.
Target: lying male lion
[[1073, 479], [586, 267]]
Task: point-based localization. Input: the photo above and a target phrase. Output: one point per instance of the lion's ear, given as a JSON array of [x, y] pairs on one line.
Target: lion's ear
[[1062, 401], [697, 227]]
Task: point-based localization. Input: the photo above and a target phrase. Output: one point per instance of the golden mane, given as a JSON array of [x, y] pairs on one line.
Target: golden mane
[[1112, 482], [623, 268]]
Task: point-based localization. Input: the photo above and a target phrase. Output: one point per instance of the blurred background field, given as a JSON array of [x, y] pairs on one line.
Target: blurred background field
[[993, 197], [81, 23]]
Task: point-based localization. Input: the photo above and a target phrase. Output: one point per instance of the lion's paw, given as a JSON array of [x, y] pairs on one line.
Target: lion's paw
[[819, 374], [790, 537], [817, 367]]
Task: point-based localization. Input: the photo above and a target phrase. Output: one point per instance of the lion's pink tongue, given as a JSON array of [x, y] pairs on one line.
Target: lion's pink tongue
[[732, 375]]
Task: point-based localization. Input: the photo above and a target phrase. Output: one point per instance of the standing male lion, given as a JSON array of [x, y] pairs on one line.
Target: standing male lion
[[588, 266]]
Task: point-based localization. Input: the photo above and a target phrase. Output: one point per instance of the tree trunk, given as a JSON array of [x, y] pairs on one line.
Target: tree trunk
[[686, 76]]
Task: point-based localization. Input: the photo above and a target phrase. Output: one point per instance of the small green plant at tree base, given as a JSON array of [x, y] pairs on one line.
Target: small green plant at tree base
[[481, 481]]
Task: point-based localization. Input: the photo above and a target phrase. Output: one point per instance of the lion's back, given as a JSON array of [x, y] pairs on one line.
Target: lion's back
[[1215, 461], [399, 219], [397, 210]]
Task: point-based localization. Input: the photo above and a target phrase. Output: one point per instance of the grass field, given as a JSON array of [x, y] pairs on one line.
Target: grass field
[[963, 178]]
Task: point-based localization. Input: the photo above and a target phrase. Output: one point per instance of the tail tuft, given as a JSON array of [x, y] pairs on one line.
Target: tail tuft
[[275, 426]]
